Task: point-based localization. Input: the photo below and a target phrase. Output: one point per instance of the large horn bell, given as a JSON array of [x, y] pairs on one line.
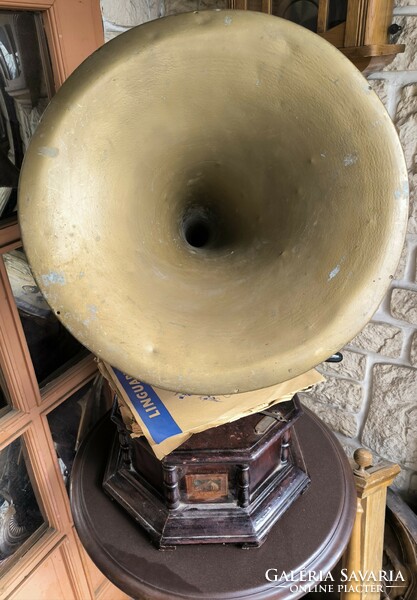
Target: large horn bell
[[214, 202]]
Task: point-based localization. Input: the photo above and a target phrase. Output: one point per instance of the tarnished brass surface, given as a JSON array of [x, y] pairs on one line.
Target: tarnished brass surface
[[246, 135]]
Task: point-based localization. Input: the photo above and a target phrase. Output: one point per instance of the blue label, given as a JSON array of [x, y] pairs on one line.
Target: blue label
[[149, 407]]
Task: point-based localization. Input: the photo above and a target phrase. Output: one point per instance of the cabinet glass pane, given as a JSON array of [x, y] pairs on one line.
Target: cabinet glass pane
[[20, 515], [52, 348], [5, 401], [304, 12], [25, 90], [72, 420]]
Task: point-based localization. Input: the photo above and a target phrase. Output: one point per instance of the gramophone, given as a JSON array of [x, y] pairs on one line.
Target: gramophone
[[213, 203]]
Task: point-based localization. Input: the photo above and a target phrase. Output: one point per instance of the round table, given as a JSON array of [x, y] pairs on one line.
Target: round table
[[310, 536]]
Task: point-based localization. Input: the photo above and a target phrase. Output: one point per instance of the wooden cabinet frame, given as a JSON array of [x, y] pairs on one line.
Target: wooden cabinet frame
[[362, 37], [73, 30]]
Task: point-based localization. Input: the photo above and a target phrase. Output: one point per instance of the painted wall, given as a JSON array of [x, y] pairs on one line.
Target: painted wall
[[370, 398]]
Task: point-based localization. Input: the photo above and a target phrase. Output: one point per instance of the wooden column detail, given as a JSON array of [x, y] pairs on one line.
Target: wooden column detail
[[243, 486], [285, 447], [171, 489], [323, 14], [364, 552]]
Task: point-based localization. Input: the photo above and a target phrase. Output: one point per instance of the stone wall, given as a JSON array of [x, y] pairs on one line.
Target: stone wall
[[120, 15], [370, 398]]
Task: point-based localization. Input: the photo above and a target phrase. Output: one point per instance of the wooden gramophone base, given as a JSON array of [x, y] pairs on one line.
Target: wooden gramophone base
[[229, 484], [311, 535]]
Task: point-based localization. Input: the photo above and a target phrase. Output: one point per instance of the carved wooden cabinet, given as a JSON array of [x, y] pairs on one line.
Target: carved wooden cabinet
[[49, 394], [361, 29]]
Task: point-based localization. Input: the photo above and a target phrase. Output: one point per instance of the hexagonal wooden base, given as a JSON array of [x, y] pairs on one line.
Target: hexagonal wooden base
[[226, 485]]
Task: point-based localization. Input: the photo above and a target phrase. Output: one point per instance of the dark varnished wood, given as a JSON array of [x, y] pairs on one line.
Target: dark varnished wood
[[312, 534], [252, 477]]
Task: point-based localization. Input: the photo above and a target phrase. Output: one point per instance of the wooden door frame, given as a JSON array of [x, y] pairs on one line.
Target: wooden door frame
[[74, 30]]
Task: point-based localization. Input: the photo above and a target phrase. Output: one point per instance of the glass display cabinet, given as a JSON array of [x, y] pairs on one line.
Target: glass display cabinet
[[50, 394], [362, 29]]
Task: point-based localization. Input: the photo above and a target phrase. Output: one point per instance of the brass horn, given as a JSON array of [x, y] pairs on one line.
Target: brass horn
[[214, 202]]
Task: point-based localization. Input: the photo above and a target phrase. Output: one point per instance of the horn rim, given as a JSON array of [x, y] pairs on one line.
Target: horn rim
[[262, 373]]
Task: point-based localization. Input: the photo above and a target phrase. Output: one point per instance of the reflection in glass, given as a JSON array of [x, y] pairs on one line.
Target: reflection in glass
[[8, 55], [5, 401], [51, 346], [305, 12], [10, 154], [25, 89], [20, 515], [73, 419]]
